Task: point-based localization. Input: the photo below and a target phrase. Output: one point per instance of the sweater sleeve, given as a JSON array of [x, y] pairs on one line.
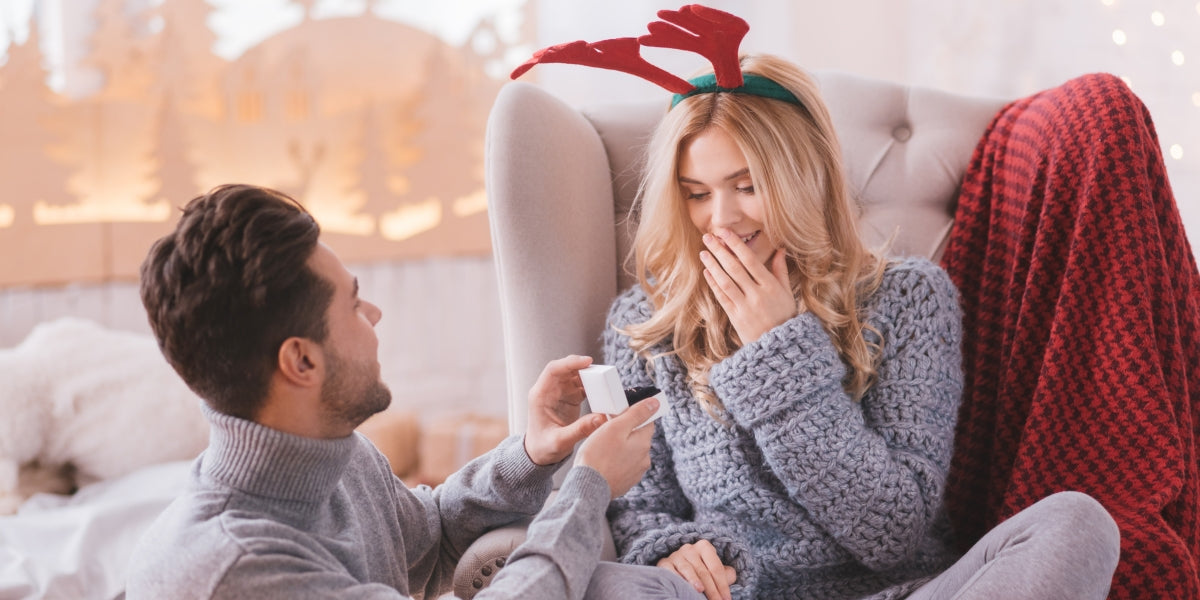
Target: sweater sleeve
[[871, 472], [287, 573], [555, 562], [562, 546], [654, 518], [491, 491]]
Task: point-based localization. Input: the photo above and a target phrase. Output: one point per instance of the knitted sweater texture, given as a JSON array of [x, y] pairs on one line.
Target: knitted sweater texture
[[803, 491], [272, 515]]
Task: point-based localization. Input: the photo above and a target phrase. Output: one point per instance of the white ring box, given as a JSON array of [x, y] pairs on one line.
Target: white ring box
[[605, 394]]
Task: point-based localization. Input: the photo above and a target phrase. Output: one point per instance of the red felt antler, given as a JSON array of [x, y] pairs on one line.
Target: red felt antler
[[709, 32], [620, 54]]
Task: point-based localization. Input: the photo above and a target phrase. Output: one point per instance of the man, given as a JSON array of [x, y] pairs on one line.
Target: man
[[266, 324]]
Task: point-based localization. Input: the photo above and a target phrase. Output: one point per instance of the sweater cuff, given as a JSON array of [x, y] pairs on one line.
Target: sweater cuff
[[569, 528], [587, 484], [797, 354], [657, 544], [514, 466]]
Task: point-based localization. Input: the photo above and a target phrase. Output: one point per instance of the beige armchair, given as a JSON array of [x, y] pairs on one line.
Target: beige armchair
[[561, 181]]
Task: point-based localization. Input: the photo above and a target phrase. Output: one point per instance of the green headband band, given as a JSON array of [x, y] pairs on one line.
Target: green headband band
[[755, 85]]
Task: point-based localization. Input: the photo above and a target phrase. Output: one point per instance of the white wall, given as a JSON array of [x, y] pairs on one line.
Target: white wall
[[440, 348]]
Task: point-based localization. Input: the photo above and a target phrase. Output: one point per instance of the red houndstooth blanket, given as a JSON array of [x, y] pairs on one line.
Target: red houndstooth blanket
[[1082, 330]]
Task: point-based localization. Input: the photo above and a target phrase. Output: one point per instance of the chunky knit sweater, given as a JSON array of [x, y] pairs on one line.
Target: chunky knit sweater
[[804, 491], [272, 515]]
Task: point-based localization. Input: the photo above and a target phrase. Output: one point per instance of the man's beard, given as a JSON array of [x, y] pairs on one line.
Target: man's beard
[[352, 392]]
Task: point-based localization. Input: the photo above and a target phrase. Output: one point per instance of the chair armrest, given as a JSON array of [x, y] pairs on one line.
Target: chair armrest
[[488, 554], [484, 558]]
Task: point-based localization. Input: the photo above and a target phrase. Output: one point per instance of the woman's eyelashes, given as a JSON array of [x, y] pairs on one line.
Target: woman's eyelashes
[[742, 189]]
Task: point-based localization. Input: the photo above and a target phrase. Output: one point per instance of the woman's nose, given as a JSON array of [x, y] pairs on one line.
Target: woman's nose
[[725, 211]]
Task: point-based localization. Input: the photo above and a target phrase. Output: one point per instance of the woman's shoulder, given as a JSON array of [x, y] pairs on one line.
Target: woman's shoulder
[[916, 280]]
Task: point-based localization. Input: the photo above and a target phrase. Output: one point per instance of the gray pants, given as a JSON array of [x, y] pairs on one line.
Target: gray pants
[[616, 581], [1065, 546]]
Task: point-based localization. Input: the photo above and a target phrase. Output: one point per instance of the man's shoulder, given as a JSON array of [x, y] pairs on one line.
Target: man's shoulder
[[194, 543], [185, 552]]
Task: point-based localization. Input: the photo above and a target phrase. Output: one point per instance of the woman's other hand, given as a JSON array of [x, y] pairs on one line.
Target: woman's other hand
[[700, 566]]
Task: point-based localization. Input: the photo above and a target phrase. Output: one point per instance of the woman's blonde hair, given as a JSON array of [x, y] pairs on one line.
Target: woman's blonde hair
[[795, 163]]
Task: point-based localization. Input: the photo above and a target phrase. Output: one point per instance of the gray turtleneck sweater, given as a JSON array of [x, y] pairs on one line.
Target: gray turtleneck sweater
[[273, 515]]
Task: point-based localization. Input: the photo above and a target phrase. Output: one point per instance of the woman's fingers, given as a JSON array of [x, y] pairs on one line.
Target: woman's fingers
[[756, 296], [684, 569], [728, 292], [728, 261], [779, 269], [751, 263], [715, 570], [741, 265], [700, 566]]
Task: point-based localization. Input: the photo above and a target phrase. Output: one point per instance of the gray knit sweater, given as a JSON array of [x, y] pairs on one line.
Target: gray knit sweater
[[805, 492], [272, 515]]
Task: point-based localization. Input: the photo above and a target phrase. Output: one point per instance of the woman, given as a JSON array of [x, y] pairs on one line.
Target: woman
[[814, 384]]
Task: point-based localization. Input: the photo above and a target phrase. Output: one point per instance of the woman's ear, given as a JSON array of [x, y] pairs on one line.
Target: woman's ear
[[301, 362]]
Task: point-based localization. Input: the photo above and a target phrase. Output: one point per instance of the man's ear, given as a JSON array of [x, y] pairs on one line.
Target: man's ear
[[301, 362]]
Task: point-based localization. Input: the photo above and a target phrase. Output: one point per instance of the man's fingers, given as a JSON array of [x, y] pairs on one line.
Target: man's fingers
[[636, 415], [559, 377], [730, 575], [568, 364], [581, 428]]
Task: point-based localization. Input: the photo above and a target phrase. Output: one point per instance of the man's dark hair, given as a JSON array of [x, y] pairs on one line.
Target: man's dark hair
[[228, 286]]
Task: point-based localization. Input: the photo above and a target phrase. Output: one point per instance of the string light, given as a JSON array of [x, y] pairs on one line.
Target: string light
[[1134, 36]]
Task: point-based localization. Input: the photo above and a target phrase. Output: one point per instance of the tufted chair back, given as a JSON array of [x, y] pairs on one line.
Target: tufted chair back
[[561, 180]]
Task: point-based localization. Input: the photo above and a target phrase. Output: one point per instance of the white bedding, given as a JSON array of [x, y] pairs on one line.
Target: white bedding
[[77, 547]]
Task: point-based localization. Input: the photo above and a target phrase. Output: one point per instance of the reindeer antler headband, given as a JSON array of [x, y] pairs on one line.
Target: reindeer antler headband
[[711, 33]]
